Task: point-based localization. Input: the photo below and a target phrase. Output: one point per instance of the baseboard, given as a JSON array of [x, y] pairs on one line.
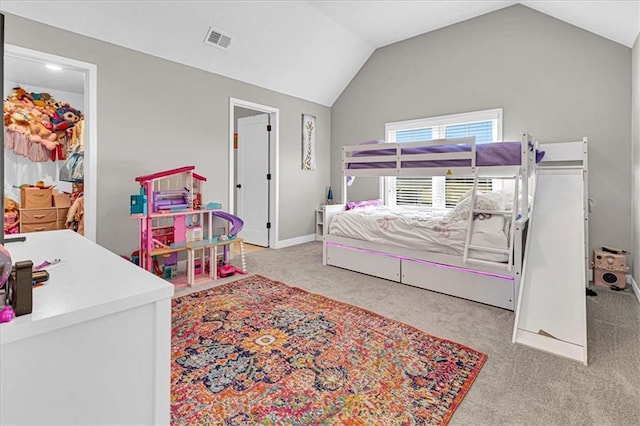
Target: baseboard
[[635, 287], [295, 241]]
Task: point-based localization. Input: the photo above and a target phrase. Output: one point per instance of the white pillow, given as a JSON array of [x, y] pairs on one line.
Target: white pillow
[[484, 201], [507, 195]]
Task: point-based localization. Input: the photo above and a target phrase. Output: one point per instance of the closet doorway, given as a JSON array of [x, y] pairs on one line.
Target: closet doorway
[[17, 61], [253, 170]]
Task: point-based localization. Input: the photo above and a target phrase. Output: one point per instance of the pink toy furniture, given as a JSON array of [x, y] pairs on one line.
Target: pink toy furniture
[[175, 222], [173, 199]]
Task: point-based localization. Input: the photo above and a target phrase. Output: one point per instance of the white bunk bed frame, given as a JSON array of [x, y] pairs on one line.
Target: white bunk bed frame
[[492, 283]]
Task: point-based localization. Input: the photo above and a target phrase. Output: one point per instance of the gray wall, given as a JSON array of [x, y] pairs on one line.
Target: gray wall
[[635, 214], [155, 114], [553, 79]]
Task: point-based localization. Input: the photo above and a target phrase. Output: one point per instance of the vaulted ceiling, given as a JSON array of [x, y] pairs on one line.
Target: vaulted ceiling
[[307, 49]]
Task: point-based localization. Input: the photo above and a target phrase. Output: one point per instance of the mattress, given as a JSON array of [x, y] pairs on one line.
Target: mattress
[[488, 154], [421, 228]]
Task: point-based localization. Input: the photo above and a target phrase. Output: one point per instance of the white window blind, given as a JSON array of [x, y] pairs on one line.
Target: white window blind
[[440, 191]]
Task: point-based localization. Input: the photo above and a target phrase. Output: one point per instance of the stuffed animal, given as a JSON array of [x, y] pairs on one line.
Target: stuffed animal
[[40, 134], [19, 121], [53, 104], [17, 111], [8, 108], [44, 113], [65, 118], [40, 99], [37, 118], [40, 126], [19, 93]]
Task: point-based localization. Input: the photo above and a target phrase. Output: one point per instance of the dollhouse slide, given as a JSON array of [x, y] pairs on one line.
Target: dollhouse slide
[[236, 222]]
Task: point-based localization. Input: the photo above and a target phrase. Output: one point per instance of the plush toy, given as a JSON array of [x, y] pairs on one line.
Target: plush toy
[[19, 121], [19, 93], [40, 129], [37, 118], [40, 99], [17, 111], [11, 216], [40, 134], [65, 118], [44, 113], [71, 114], [8, 108], [53, 104]]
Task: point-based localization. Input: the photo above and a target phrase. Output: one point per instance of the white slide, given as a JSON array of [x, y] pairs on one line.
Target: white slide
[[551, 313]]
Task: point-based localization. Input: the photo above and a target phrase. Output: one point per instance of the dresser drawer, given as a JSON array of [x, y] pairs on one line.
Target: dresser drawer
[[38, 215], [37, 227]]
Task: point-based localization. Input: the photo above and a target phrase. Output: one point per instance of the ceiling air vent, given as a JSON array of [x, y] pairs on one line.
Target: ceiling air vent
[[216, 38]]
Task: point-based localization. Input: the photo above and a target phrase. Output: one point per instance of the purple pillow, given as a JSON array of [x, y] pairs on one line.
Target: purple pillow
[[359, 204]]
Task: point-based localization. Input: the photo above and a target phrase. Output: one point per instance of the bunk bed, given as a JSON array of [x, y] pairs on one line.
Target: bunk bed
[[466, 266]]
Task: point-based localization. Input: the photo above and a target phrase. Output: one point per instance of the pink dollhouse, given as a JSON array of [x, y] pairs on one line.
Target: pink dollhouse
[[172, 221]]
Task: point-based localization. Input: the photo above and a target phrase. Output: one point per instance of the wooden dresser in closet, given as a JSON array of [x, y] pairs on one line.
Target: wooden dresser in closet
[[44, 219]]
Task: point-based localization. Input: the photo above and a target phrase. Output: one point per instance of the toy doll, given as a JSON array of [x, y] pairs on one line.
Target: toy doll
[[11, 216]]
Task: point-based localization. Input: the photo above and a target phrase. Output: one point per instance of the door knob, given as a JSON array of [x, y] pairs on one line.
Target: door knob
[[238, 186]]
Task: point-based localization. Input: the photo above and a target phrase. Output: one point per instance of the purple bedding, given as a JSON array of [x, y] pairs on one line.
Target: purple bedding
[[489, 154]]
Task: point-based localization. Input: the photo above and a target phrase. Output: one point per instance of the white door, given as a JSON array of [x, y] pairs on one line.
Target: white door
[[252, 186]]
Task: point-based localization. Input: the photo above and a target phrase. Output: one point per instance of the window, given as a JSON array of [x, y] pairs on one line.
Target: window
[[440, 191]]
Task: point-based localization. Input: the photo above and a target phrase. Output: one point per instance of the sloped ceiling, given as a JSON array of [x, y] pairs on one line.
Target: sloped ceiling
[[307, 49]]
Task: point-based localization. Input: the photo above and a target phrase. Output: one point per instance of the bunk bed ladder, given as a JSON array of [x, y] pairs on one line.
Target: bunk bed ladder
[[512, 214], [467, 240]]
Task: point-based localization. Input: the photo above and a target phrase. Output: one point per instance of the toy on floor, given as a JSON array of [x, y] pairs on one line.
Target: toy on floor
[[227, 270]]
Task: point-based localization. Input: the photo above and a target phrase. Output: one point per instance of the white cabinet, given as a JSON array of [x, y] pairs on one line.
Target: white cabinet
[[97, 346]]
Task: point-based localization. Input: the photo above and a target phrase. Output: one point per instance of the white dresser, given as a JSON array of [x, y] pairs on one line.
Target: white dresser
[[96, 348]]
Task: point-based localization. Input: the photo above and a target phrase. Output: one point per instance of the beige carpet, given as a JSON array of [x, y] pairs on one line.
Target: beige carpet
[[517, 385]]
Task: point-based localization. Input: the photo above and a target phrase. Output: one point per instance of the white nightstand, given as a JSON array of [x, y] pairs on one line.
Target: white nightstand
[[319, 223], [322, 218]]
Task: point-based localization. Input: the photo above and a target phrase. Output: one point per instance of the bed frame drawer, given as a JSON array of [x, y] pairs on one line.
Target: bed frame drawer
[[383, 266], [480, 287]]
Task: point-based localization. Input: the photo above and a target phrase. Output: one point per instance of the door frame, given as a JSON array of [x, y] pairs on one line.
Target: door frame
[[90, 164], [274, 117]]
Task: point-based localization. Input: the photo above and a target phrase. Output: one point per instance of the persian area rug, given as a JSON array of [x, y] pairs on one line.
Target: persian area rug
[[257, 351]]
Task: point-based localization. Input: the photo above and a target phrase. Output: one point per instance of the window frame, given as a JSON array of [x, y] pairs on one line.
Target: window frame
[[387, 184]]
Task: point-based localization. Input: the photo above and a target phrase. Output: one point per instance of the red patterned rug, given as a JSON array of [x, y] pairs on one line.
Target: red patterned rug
[[258, 351]]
